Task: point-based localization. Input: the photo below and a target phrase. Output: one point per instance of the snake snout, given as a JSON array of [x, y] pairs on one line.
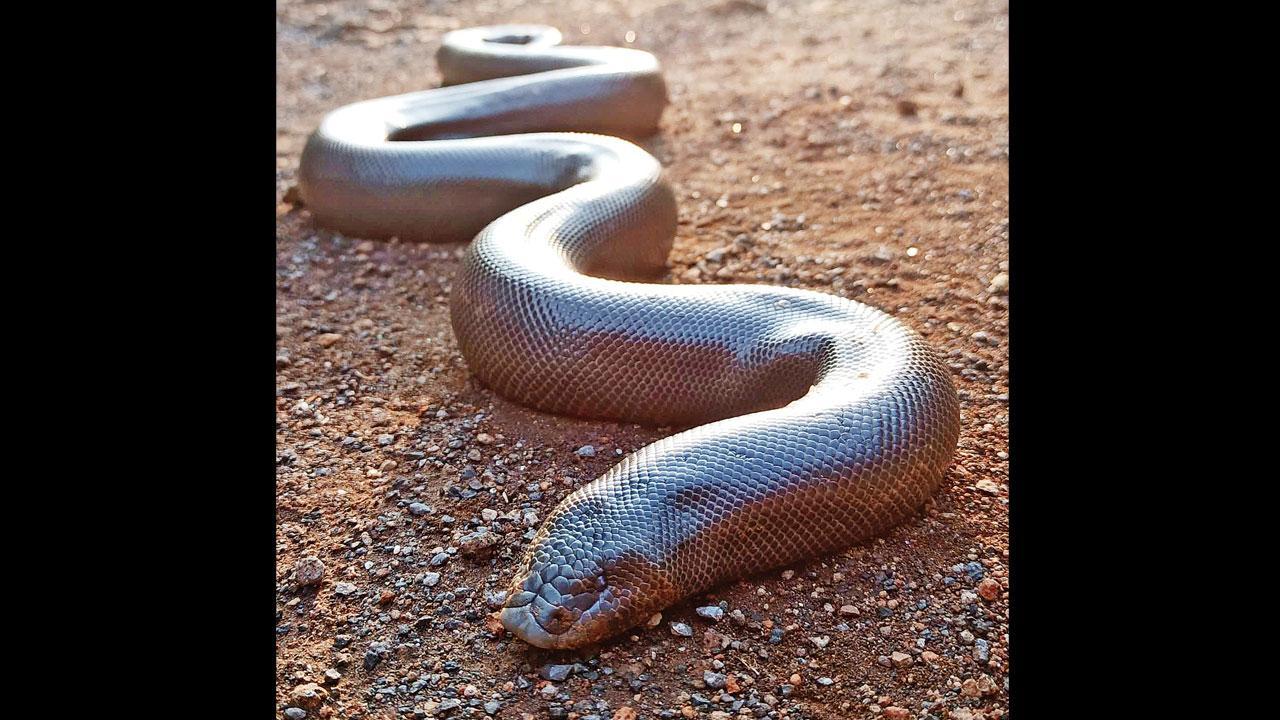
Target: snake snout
[[554, 605]]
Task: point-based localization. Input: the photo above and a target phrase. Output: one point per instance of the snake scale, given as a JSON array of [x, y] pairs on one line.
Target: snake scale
[[817, 421]]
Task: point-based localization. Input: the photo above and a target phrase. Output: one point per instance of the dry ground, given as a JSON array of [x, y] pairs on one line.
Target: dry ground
[[852, 148]]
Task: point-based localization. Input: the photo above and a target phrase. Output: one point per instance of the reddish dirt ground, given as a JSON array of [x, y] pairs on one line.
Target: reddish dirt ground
[[859, 149]]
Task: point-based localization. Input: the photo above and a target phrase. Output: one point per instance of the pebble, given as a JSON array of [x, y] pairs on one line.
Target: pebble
[[825, 681], [479, 542], [795, 679], [981, 650], [900, 659], [893, 712], [492, 707], [715, 681], [485, 439], [849, 610], [327, 339], [344, 588], [679, 628], [989, 589], [309, 571], [430, 579], [555, 673], [386, 439], [987, 487], [587, 451], [419, 508], [999, 284], [820, 642], [294, 713], [332, 675], [711, 612], [308, 696]]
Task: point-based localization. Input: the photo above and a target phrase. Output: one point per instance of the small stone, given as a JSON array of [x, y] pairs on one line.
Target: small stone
[[332, 675], [430, 579], [711, 612], [688, 711], [654, 620], [900, 659], [386, 439], [981, 650], [344, 588], [294, 713], [929, 656], [825, 681], [713, 680], [555, 673], [327, 339], [849, 610], [485, 439], [478, 543], [987, 487], [679, 628], [999, 284], [587, 451], [419, 508], [966, 637], [989, 589], [309, 570], [309, 696], [492, 707], [893, 712], [795, 679], [820, 642], [969, 688], [626, 712]]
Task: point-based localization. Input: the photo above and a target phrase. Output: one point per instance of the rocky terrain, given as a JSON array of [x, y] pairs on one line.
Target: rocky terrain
[[859, 149]]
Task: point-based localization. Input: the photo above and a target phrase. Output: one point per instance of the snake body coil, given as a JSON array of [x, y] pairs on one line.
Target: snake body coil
[[840, 420]]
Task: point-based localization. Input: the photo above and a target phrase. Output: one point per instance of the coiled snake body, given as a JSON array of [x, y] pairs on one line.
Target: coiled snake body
[[840, 420]]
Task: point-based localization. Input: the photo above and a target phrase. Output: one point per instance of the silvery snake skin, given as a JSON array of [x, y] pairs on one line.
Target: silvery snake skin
[[826, 421]]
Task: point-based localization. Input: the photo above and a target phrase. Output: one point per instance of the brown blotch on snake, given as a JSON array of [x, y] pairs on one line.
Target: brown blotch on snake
[[828, 421]]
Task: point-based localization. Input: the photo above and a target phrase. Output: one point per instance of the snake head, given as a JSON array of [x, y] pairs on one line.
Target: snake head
[[564, 600]]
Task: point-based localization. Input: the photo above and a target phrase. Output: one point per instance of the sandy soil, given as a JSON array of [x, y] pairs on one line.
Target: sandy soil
[[859, 149]]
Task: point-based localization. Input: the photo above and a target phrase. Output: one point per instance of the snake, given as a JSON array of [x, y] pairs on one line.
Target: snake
[[814, 422]]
